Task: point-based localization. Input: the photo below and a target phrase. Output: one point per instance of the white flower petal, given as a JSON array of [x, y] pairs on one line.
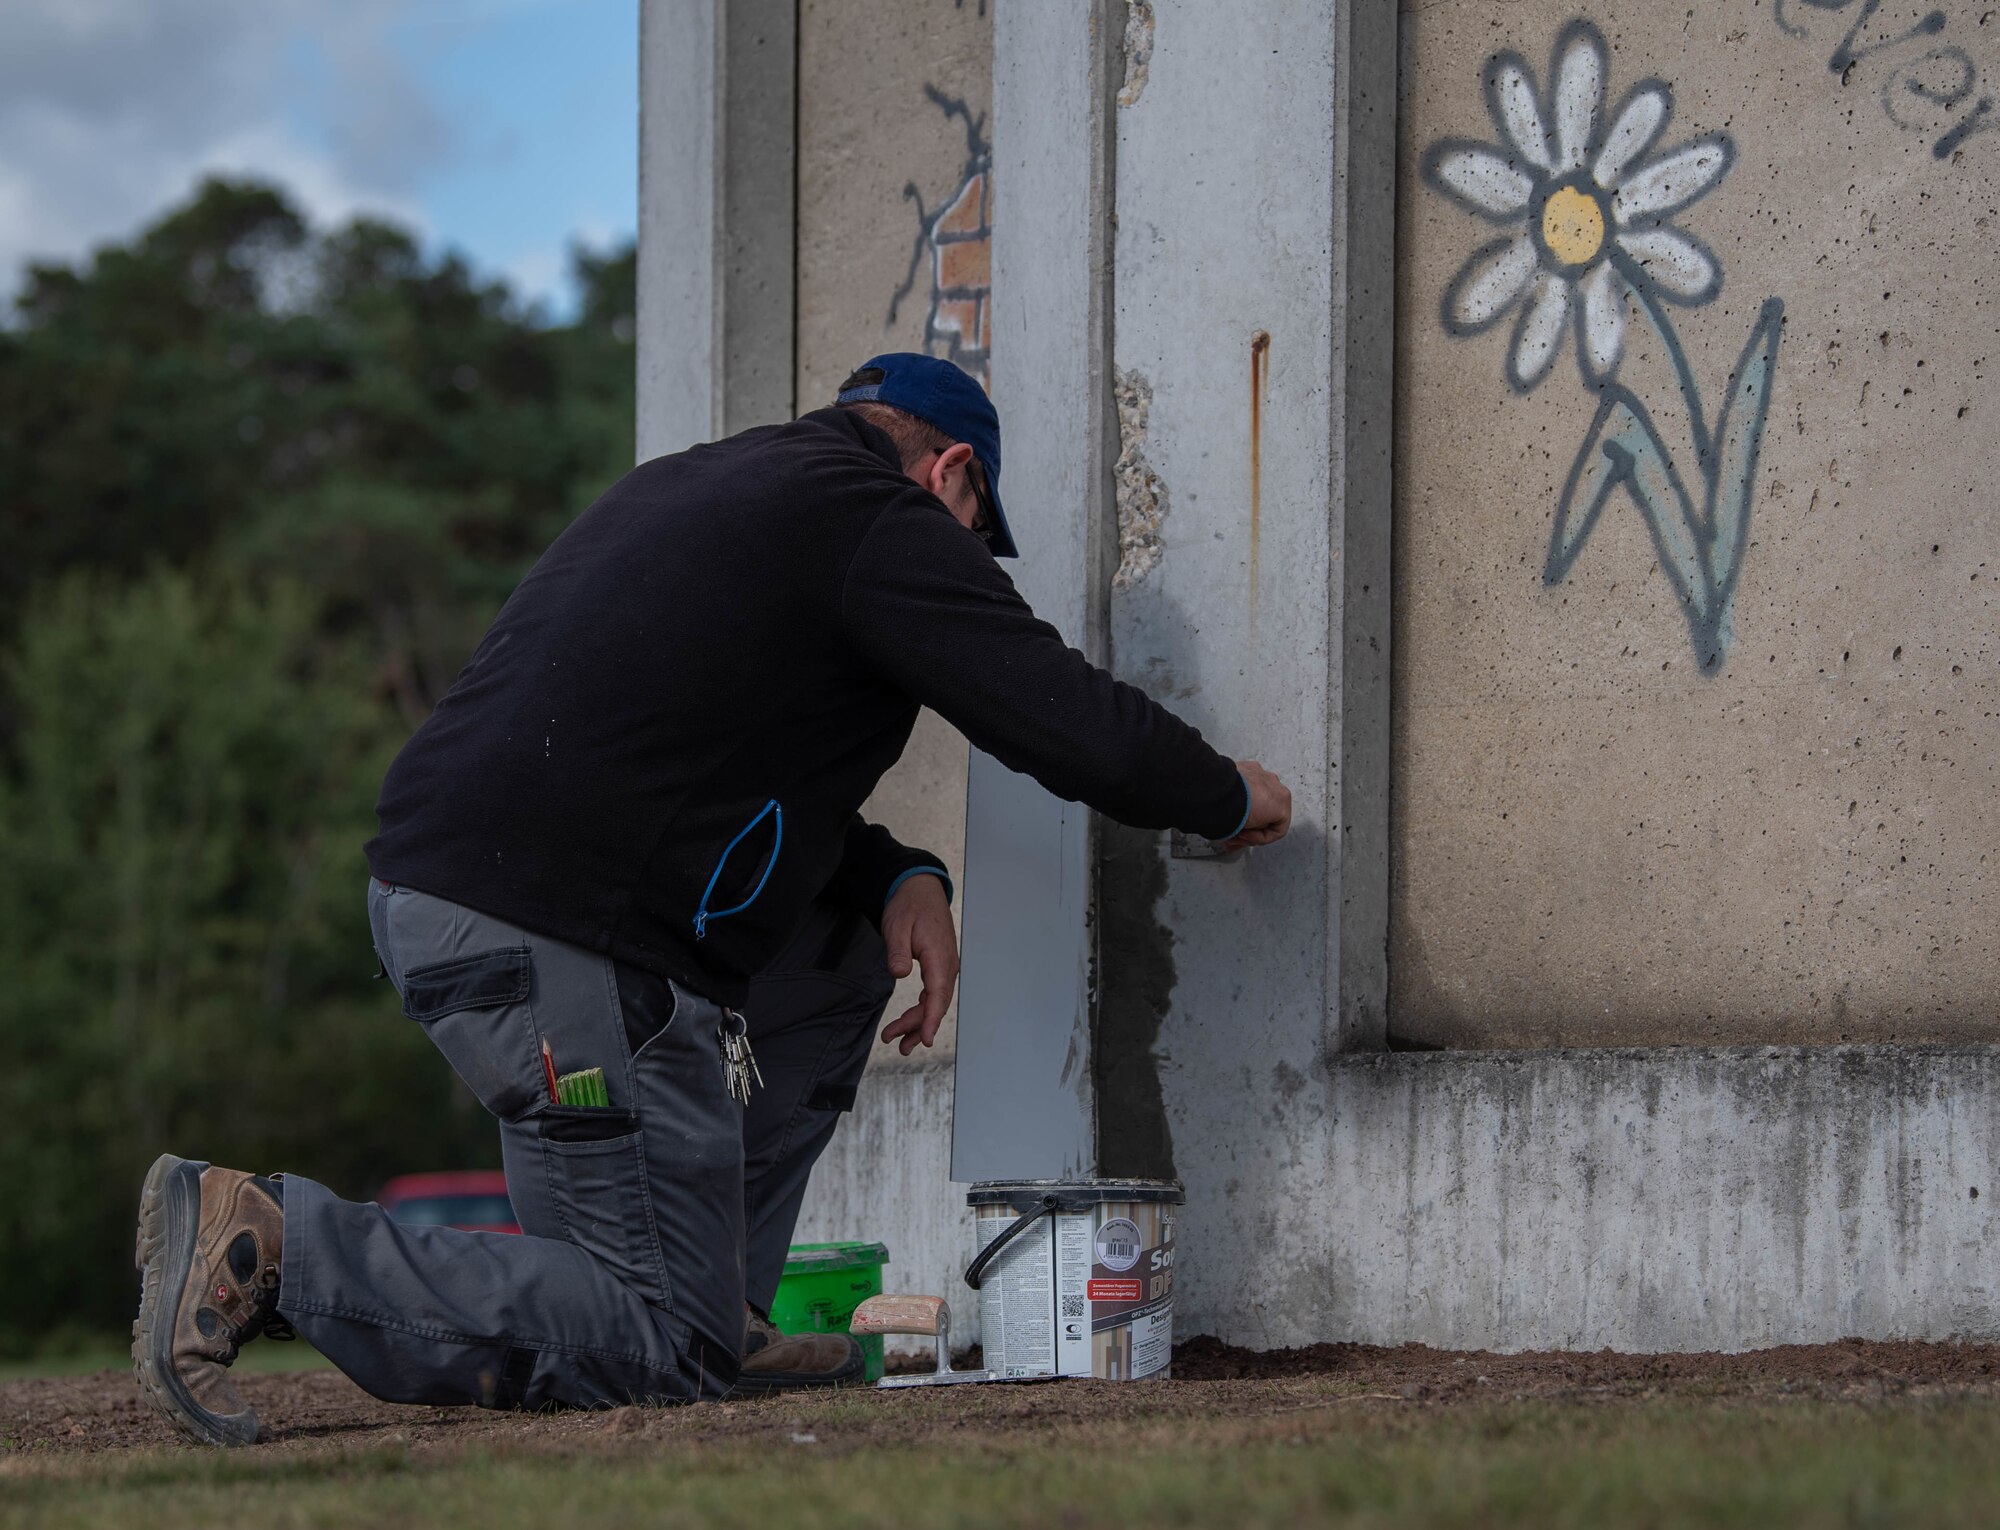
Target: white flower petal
[[1679, 264], [1673, 180], [1480, 177], [1603, 335], [1579, 94], [1630, 136], [1520, 114], [1489, 282], [1540, 333]]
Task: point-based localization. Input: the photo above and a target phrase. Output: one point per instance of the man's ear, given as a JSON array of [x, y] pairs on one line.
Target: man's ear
[[947, 464]]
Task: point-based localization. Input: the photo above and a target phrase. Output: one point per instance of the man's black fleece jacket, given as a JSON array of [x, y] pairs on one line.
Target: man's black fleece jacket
[[659, 749]]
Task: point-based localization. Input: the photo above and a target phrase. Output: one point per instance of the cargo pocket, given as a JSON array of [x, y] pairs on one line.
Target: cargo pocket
[[596, 1161], [475, 1010]]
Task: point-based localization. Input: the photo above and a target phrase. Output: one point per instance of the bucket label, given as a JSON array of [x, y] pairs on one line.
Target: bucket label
[[1074, 1245], [1131, 1292], [1016, 1298], [1118, 1244]]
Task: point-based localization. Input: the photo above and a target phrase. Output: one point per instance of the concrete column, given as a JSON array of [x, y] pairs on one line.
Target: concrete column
[[1023, 1106], [1201, 410], [717, 165], [1253, 322]]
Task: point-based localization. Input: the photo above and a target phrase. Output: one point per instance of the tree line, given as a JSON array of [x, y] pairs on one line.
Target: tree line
[[262, 486]]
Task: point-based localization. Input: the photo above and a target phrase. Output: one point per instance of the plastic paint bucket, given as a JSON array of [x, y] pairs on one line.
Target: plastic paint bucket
[[822, 1285], [1075, 1277]]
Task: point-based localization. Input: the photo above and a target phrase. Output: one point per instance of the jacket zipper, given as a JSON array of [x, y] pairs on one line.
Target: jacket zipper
[[702, 913]]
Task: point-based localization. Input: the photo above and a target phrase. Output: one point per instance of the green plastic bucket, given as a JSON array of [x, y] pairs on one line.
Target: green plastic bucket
[[823, 1284]]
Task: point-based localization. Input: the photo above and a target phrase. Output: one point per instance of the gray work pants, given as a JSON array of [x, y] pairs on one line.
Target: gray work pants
[[646, 1225]]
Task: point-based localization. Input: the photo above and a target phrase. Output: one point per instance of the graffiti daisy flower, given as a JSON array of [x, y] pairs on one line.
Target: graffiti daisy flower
[[1589, 212]]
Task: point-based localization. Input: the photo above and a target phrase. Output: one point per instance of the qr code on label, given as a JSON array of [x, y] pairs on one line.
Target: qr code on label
[[1072, 1306]]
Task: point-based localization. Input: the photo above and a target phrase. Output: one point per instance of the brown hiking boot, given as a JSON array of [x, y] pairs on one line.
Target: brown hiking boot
[[209, 1259], [785, 1362]]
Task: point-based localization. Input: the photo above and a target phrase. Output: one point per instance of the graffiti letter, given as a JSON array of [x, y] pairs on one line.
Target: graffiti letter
[[1973, 123], [1845, 55]]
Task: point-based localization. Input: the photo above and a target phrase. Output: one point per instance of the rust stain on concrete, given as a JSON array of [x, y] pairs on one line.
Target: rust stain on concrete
[[1260, 350]]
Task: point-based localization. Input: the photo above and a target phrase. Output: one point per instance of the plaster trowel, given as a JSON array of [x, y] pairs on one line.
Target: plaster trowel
[[924, 1315]]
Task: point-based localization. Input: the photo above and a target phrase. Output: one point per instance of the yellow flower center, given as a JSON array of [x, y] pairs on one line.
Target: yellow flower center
[[1573, 226]]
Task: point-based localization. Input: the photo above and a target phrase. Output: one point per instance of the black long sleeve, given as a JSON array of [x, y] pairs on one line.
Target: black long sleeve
[[659, 749], [928, 606], [872, 862]]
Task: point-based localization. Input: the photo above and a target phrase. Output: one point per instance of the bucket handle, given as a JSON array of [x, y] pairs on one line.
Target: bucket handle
[[976, 1270]]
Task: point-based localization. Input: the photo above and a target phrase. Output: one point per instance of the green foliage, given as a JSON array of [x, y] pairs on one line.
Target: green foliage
[[260, 489], [395, 431], [182, 925]]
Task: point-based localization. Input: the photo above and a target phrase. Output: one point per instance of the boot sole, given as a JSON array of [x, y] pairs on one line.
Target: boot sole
[[753, 1384], [169, 1220]]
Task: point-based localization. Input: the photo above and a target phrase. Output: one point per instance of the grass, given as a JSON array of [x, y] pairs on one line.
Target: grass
[[1658, 1464], [258, 1358]]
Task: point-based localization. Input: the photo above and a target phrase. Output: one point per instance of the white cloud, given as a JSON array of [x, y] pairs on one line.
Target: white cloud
[[112, 109], [538, 273]]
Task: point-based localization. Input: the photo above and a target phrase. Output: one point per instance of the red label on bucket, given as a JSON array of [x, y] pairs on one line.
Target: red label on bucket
[[1115, 1290]]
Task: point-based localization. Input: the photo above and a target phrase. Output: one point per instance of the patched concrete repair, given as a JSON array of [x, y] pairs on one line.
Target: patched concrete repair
[[1135, 963], [1138, 50], [1142, 495]]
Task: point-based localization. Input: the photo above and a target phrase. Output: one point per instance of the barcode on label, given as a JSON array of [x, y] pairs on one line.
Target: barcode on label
[[1121, 1250], [1072, 1306]]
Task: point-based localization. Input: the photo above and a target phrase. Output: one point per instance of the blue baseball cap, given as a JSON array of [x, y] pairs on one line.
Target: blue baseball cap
[[940, 394]]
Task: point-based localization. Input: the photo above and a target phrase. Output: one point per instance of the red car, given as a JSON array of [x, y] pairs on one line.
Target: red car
[[474, 1199]]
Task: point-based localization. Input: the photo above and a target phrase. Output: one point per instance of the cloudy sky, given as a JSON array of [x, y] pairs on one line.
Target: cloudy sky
[[504, 128]]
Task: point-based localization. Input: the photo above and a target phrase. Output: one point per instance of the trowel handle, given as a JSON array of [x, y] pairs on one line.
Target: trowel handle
[[902, 1314]]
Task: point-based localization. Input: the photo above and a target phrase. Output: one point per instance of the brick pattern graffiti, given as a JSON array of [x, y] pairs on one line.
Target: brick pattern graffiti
[[1587, 209], [954, 242]]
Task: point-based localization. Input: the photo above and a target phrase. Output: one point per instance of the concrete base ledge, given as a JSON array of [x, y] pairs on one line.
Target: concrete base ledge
[[1656, 1199], [1641, 1200]]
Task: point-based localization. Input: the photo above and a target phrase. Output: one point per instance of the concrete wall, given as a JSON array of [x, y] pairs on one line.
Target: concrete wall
[[1758, 803], [1223, 546], [894, 108]]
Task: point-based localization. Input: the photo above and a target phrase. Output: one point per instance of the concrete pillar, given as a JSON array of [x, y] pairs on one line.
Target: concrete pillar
[[1253, 321], [717, 157], [1201, 410]]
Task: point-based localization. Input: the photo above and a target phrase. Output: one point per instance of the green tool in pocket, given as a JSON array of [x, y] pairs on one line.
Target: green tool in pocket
[[582, 1088]]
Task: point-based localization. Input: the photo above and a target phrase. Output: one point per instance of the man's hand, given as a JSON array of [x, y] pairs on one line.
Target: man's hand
[[1270, 808], [917, 923]]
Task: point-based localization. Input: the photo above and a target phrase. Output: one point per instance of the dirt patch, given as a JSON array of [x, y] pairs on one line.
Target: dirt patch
[[1891, 1366], [76, 1416]]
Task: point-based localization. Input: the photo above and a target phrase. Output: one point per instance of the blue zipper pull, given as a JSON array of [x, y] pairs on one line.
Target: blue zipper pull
[[703, 913]]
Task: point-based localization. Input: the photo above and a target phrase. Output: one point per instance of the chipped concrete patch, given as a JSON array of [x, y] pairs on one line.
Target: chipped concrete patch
[[1142, 493], [1138, 50]]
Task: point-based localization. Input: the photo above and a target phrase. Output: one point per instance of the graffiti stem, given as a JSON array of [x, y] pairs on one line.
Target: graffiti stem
[[1647, 292]]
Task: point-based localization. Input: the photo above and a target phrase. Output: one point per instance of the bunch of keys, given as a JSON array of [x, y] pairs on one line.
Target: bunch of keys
[[739, 1067]]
